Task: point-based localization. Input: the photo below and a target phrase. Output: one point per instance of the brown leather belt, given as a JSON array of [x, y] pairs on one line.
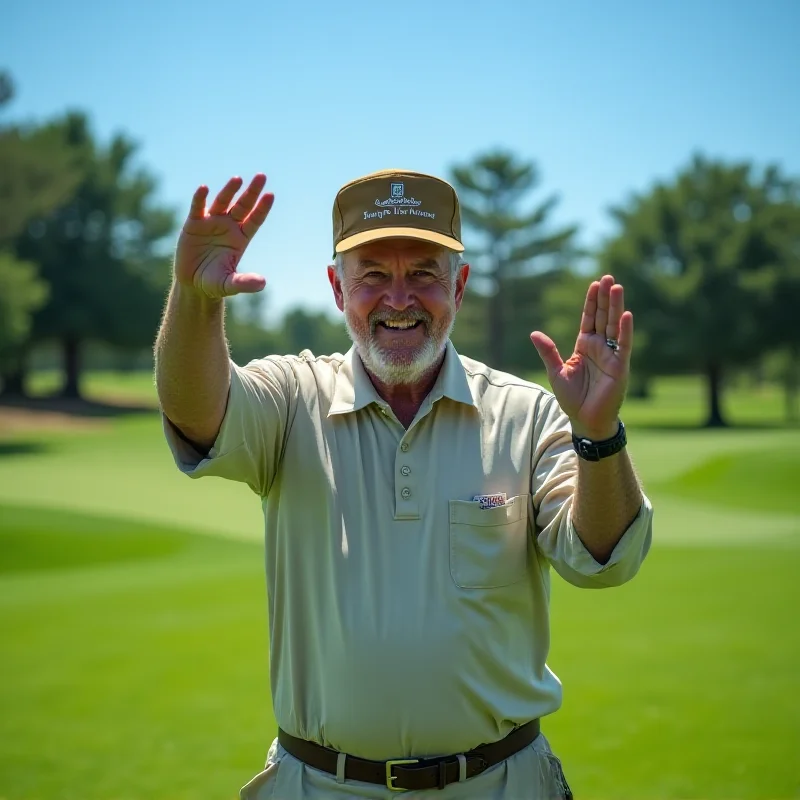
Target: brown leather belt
[[407, 774]]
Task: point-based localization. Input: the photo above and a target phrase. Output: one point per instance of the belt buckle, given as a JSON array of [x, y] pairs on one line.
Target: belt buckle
[[390, 779]]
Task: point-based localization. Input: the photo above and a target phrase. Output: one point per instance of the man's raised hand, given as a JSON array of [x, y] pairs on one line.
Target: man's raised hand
[[212, 243], [590, 386]]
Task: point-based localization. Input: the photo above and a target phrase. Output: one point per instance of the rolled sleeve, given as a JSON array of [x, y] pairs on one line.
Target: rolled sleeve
[[251, 439], [554, 476], [570, 558]]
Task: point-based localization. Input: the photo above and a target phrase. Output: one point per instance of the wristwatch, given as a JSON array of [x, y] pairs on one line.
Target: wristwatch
[[594, 451]]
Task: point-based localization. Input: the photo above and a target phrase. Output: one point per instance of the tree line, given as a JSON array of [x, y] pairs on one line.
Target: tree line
[[710, 260]]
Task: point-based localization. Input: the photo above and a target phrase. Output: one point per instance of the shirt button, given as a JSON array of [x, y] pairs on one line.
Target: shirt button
[[404, 447], [406, 493], [405, 471]]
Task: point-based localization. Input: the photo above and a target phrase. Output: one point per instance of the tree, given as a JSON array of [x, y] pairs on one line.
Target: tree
[[514, 243], [697, 256], [469, 333], [21, 293], [37, 174], [783, 298], [6, 88], [100, 251], [314, 331]]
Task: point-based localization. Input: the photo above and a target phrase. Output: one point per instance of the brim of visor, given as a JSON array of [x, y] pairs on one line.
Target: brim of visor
[[398, 233]]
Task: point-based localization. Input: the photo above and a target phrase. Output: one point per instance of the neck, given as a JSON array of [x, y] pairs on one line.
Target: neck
[[405, 399]]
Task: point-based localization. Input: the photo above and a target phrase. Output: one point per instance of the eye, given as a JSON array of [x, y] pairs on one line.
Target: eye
[[423, 273]]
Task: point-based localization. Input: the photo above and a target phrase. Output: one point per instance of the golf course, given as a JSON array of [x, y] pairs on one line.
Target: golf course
[[134, 626]]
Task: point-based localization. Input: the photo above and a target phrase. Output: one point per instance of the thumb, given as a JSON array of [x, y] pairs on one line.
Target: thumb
[[244, 283], [548, 352]]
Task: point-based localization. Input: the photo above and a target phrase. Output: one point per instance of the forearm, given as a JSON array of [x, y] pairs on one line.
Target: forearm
[[192, 364], [607, 499]]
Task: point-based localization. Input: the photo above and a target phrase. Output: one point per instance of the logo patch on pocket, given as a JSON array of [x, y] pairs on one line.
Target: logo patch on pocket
[[490, 500]]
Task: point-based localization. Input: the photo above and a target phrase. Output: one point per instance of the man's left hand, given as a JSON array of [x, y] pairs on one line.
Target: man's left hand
[[590, 385]]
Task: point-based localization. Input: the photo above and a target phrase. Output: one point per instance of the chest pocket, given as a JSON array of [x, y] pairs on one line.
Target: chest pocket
[[488, 547]]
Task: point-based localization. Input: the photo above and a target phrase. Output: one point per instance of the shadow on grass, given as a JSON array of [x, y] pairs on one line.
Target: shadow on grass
[[76, 407], [37, 539], [665, 425], [23, 448]]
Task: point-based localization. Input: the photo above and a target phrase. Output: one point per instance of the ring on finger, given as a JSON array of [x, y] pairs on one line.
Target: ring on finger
[[612, 343]]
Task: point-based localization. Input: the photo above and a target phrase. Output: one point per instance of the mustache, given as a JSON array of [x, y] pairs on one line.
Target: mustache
[[413, 315]]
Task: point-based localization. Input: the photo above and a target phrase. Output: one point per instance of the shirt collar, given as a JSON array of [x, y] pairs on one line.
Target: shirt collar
[[354, 390]]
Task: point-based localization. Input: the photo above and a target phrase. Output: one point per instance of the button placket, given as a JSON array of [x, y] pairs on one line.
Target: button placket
[[406, 494]]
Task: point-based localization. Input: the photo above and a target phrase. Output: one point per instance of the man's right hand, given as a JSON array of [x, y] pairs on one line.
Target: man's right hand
[[212, 244]]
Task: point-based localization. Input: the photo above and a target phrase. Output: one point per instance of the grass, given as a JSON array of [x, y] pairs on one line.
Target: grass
[[755, 480], [143, 677], [106, 385], [683, 683], [134, 657]]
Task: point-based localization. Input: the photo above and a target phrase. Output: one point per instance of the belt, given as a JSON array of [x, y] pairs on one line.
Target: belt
[[407, 774]]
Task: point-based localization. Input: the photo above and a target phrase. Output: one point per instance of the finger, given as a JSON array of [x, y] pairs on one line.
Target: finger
[[198, 208], [615, 309], [244, 283], [548, 352], [223, 199], [244, 205], [257, 217], [603, 301], [626, 336], [590, 308]]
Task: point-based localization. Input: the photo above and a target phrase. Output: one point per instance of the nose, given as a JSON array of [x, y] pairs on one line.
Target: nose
[[399, 295]]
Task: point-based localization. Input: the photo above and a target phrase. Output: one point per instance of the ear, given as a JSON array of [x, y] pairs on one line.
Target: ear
[[336, 285], [461, 284]]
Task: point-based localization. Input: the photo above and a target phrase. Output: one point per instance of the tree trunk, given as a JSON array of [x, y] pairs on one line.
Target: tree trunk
[[714, 385], [14, 377], [639, 387], [72, 367], [791, 383]]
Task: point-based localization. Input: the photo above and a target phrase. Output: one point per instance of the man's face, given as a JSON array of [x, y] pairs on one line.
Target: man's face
[[399, 305]]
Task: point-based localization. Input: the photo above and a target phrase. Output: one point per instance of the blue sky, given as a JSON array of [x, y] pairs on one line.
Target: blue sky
[[605, 97]]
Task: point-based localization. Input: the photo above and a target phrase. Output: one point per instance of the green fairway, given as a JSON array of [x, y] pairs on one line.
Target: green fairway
[[134, 655], [142, 677]]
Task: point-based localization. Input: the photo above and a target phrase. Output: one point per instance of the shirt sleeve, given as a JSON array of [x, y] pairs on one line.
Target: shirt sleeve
[[553, 481], [251, 441]]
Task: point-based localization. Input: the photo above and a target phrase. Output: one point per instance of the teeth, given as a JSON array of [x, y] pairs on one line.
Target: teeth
[[401, 325]]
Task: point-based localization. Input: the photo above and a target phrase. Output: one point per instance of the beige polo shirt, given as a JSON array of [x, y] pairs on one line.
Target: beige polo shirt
[[405, 620]]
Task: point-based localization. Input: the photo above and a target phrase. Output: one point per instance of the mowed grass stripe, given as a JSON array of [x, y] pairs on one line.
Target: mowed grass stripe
[[756, 480]]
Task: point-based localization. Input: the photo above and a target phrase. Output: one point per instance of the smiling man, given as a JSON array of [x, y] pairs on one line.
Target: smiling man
[[414, 499]]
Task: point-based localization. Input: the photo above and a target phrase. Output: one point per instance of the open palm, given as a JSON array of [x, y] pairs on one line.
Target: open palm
[[590, 385], [211, 244]]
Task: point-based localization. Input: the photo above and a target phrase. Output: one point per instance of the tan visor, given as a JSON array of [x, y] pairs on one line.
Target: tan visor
[[396, 204]]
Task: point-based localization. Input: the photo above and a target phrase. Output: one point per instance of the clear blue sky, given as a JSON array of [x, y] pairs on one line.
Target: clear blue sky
[[605, 97]]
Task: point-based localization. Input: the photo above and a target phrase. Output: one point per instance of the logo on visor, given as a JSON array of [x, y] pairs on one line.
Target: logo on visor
[[397, 204]]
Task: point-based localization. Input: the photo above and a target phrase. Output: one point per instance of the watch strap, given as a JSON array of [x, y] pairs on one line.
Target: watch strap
[[594, 451]]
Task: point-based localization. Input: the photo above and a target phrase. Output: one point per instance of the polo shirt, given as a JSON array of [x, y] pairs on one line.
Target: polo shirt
[[405, 619]]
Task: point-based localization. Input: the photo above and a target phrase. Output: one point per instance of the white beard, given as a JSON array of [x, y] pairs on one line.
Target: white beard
[[395, 368]]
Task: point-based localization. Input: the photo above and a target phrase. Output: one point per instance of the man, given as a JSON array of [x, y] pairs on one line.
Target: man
[[414, 499]]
